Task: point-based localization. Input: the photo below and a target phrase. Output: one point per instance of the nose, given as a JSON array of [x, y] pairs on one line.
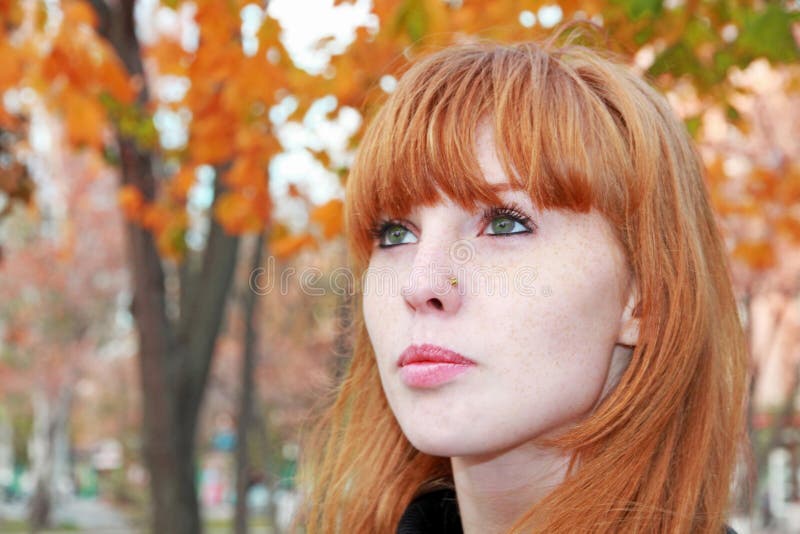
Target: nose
[[433, 284]]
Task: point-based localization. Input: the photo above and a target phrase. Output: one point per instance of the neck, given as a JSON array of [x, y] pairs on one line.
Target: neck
[[493, 491]]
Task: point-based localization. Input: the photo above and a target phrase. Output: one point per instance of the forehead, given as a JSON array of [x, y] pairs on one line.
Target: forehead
[[489, 161]]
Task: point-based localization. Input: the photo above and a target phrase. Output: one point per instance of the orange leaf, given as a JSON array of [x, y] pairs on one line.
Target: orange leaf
[[114, 79], [235, 213], [261, 145], [757, 254], [262, 203], [85, 119], [330, 216], [212, 130], [181, 183], [76, 13], [170, 57], [131, 202], [245, 171], [788, 191], [171, 239], [11, 66], [285, 247], [156, 217], [789, 226]]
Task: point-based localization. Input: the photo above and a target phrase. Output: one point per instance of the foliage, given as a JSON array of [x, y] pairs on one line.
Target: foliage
[[230, 89], [723, 64]]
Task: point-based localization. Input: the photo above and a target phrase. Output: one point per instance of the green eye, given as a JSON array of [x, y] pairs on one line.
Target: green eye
[[506, 225], [391, 233], [502, 225], [395, 234]]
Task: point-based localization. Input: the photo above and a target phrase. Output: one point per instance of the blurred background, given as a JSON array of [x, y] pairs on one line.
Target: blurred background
[[172, 291]]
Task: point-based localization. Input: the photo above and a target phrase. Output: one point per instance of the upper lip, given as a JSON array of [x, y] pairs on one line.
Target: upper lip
[[431, 353]]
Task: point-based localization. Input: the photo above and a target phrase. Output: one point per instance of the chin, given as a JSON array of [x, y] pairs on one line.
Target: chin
[[427, 441]]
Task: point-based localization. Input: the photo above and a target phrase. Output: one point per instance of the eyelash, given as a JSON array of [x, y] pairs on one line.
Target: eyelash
[[511, 211]]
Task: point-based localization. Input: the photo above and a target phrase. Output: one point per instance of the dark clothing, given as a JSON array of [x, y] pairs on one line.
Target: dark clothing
[[437, 513]]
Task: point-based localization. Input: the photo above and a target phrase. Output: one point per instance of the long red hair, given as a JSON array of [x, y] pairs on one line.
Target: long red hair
[[578, 131]]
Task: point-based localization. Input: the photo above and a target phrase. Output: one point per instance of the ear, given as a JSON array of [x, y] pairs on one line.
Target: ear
[[629, 321]]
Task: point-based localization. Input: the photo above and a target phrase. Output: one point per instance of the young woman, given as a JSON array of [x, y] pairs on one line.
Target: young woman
[[546, 337]]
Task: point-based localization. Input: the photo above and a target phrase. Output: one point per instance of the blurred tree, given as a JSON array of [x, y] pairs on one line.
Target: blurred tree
[[60, 298], [112, 82]]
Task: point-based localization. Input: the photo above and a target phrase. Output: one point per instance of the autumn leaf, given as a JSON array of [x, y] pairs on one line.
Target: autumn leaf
[[84, 118], [235, 212], [789, 226], [290, 245], [79, 12], [245, 171], [211, 137], [756, 254], [330, 216], [11, 66], [182, 182], [156, 217], [112, 78], [257, 143], [171, 240], [131, 202], [169, 56]]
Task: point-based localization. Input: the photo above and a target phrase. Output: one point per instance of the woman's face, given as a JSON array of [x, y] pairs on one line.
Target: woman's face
[[540, 313]]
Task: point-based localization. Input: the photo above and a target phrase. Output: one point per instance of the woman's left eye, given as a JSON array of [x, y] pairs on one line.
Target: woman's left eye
[[506, 221], [391, 233]]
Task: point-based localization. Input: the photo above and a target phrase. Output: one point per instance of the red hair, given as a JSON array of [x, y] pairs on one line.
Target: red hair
[[577, 131]]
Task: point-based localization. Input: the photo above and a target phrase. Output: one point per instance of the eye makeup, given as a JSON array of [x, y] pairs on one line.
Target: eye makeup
[[509, 210]]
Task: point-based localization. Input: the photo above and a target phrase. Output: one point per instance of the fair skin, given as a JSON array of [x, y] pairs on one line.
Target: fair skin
[[548, 344]]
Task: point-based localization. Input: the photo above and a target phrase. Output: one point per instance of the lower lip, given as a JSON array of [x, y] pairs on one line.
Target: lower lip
[[431, 374]]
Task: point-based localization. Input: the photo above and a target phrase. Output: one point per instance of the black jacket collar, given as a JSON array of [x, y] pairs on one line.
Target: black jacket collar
[[437, 513], [434, 513]]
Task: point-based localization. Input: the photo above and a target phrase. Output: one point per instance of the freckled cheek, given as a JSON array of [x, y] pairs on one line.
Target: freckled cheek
[[546, 343]]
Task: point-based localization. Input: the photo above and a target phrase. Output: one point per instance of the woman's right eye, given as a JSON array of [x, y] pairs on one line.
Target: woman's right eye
[[392, 233]]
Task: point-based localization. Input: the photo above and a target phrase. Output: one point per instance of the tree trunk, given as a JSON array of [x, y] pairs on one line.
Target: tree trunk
[[248, 299], [174, 356], [51, 416]]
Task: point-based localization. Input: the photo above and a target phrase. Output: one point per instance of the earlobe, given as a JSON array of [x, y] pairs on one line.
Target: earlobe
[[629, 321]]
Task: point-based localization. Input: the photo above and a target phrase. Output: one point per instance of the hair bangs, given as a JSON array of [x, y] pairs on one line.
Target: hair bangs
[[557, 136]]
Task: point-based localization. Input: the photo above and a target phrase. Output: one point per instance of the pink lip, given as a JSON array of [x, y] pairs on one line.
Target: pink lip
[[427, 366]]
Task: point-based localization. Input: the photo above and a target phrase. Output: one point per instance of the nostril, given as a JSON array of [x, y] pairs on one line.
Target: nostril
[[436, 303]]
